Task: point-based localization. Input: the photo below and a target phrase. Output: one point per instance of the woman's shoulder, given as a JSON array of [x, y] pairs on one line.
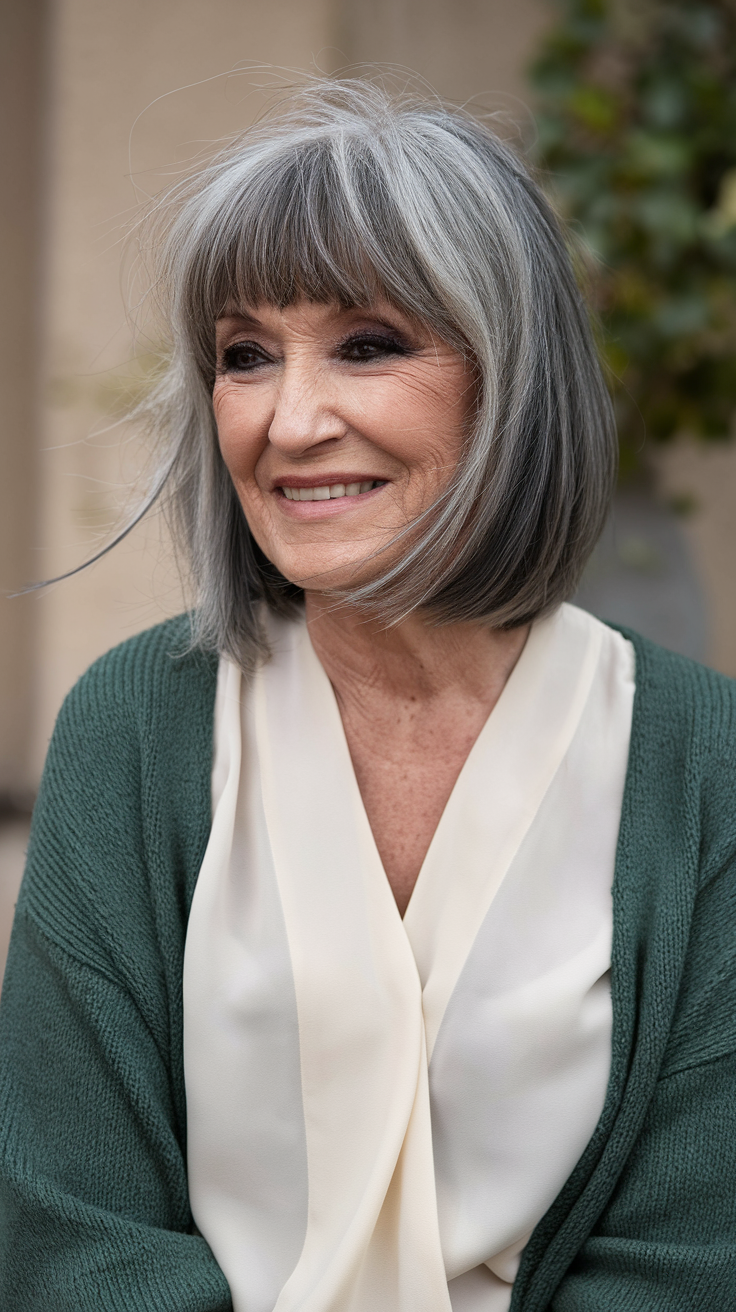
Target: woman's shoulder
[[139, 723], [681, 693], [155, 689], [682, 762], [144, 673], [124, 804]]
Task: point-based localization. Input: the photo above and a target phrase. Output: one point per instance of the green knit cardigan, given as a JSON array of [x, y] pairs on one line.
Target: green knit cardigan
[[94, 1211]]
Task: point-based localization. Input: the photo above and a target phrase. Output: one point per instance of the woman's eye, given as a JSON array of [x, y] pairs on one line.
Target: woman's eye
[[370, 347], [242, 357]]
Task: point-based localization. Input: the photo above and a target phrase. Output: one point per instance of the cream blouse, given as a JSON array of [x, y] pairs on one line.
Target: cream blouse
[[380, 1111]]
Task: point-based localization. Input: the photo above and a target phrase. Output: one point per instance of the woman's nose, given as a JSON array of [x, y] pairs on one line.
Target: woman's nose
[[305, 411]]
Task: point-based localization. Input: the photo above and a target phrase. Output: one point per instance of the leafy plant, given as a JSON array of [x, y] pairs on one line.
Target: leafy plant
[[637, 138]]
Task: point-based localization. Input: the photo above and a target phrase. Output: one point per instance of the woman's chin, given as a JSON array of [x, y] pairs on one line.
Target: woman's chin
[[332, 576]]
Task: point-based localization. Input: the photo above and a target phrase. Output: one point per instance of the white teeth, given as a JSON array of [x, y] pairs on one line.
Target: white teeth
[[334, 491]]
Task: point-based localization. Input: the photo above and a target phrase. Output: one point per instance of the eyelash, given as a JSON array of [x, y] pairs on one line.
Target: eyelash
[[230, 364], [385, 346]]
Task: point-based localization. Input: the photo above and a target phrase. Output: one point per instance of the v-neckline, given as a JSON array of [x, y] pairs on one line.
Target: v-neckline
[[491, 806], [295, 948]]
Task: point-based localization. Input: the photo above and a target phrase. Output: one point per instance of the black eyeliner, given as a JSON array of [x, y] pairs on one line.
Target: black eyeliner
[[229, 356], [391, 341]]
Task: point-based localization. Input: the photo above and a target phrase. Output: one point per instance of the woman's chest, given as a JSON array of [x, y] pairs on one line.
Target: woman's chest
[[406, 769]]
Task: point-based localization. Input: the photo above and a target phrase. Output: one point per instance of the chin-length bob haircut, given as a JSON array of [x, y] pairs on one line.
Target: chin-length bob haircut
[[344, 194]]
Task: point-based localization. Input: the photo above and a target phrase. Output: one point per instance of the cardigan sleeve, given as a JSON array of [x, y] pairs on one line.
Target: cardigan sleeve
[[666, 1241], [93, 1199], [94, 1208]]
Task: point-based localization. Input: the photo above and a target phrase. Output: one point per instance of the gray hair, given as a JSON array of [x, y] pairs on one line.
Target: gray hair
[[346, 193]]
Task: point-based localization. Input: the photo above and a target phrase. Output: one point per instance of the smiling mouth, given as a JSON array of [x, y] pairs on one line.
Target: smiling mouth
[[331, 492]]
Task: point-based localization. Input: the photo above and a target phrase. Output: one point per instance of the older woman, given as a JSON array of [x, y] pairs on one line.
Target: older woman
[[318, 999]]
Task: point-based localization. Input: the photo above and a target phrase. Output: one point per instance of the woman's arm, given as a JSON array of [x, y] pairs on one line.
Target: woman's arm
[[94, 1210], [93, 1194], [666, 1241]]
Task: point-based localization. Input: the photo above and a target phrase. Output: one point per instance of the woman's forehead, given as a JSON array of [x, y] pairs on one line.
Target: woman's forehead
[[306, 310]]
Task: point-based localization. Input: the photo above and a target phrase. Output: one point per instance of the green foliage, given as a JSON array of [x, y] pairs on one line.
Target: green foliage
[[637, 138]]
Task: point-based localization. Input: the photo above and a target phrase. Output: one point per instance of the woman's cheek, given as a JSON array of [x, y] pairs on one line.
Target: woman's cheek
[[237, 435]]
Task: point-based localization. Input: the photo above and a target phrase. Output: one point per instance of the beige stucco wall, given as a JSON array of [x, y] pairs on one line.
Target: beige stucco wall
[[135, 86], [465, 49], [704, 475], [131, 89], [99, 100], [21, 77]]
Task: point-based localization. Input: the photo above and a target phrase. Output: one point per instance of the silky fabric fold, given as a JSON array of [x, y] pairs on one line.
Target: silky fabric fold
[[379, 1112]]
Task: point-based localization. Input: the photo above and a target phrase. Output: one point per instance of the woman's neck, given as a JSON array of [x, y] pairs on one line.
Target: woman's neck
[[413, 661], [413, 700]]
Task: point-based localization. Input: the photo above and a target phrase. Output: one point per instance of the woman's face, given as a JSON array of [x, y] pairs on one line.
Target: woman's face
[[339, 427]]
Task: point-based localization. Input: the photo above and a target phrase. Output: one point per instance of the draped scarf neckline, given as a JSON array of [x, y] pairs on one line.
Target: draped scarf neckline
[[371, 990]]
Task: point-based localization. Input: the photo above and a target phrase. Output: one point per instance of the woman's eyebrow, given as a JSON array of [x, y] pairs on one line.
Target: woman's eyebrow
[[234, 314]]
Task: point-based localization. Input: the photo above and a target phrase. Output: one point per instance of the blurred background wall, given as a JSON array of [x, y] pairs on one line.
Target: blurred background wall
[[99, 101]]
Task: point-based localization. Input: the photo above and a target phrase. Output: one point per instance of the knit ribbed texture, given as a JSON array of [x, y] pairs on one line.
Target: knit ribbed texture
[[94, 1212]]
